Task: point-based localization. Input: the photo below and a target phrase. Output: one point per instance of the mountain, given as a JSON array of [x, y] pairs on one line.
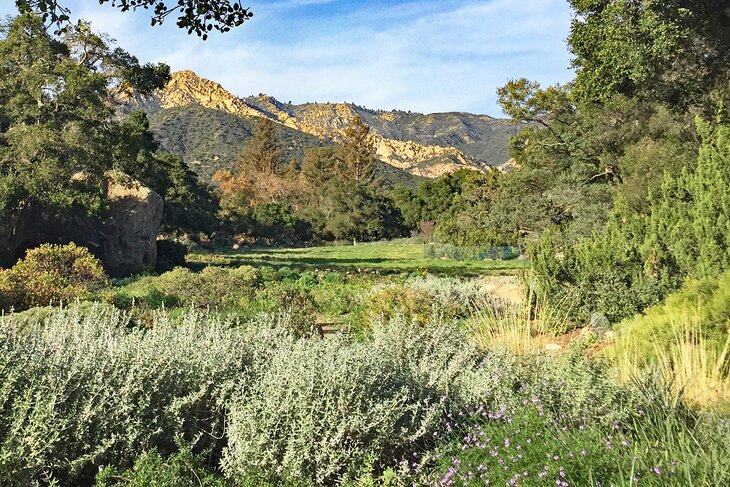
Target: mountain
[[207, 126]]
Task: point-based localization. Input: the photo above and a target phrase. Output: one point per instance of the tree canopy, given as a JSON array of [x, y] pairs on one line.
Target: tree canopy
[[195, 16]]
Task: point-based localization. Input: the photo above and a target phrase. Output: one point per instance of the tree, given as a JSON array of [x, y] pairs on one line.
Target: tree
[[261, 175], [357, 155], [639, 258], [671, 51], [355, 211], [56, 122], [59, 134], [318, 166], [198, 16]]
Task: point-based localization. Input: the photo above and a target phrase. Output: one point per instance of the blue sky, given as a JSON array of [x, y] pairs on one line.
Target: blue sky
[[425, 56]]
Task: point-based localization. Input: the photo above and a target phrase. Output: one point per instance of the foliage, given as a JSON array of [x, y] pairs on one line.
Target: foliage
[[644, 69], [355, 211], [54, 121], [667, 51], [59, 134], [183, 469], [199, 16], [448, 251], [391, 302], [459, 203], [663, 444], [356, 158], [638, 259], [265, 407], [83, 390], [424, 299], [56, 116], [50, 274], [258, 175], [213, 287], [687, 336], [277, 222]]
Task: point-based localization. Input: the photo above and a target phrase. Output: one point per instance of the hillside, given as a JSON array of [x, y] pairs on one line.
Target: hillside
[[208, 139], [422, 145]]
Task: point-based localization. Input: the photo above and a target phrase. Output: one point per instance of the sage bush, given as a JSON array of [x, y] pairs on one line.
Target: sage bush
[[83, 390]]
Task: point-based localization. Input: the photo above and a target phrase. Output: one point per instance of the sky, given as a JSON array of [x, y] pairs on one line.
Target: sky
[[423, 56]]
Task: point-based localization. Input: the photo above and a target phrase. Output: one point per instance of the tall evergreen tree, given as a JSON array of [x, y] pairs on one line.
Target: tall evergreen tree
[[357, 156]]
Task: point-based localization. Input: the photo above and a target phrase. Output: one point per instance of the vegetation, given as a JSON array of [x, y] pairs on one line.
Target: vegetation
[[50, 274], [395, 256], [405, 401], [332, 195], [603, 359], [199, 16]]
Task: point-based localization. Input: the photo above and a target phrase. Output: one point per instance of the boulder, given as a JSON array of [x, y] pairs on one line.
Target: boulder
[[125, 241]]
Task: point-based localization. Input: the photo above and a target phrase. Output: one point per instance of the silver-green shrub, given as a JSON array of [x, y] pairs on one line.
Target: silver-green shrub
[[213, 286], [320, 409], [427, 298], [83, 390]]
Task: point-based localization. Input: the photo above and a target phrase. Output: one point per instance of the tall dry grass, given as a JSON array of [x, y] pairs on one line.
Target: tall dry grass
[[522, 329], [691, 366]]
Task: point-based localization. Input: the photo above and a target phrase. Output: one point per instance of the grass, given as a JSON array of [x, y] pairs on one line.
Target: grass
[[387, 257], [691, 366]]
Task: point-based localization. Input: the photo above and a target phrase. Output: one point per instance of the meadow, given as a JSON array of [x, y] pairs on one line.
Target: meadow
[[403, 255]]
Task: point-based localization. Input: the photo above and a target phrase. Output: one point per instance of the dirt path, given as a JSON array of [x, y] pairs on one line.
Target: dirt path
[[507, 288]]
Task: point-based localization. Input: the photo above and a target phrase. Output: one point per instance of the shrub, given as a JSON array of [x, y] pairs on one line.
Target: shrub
[[663, 443], [268, 408], [50, 274], [386, 304], [183, 469], [321, 409], [83, 390], [213, 286], [687, 338], [700, 305], [466, 253], [420, 298], [286, 274], [7, 290]]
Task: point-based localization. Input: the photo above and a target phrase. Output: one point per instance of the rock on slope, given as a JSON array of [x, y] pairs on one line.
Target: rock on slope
[[423, 145], [125, 241]]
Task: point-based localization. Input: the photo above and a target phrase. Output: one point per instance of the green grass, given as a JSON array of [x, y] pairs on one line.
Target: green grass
[[394, 256]]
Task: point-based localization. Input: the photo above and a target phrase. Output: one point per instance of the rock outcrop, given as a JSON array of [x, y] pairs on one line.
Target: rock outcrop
[[125, 241], [424, 145]]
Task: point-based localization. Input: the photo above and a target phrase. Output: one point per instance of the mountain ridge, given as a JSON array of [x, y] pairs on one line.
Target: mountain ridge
[[429, 145]]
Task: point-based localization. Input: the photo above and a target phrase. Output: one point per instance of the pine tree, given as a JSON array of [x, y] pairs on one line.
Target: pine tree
[[318, 166], [710, 190], [262, 153], [260, 176], [357, 157]]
